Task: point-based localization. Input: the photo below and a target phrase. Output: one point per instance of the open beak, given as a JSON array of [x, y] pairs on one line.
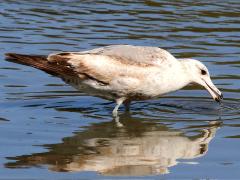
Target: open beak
[[212, 89]]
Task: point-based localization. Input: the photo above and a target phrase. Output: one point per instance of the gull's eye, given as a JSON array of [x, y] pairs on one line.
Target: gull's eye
[[203, 72]]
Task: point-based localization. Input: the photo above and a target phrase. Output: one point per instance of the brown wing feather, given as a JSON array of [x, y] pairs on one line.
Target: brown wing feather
[[92, 74], [84, 70], [41, 62]]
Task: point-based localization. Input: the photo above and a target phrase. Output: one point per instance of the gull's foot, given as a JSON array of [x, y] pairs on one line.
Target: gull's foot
[[118, 123]]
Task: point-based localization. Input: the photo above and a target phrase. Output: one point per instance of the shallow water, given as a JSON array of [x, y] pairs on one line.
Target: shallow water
[[49, 129]]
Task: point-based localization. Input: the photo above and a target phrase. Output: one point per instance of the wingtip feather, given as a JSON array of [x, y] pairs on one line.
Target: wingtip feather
[[9, 55]]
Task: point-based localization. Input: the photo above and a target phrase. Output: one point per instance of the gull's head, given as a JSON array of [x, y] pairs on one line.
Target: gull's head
[[199, 74]]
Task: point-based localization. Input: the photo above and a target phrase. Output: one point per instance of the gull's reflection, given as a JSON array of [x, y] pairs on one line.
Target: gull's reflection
[[140, 147]]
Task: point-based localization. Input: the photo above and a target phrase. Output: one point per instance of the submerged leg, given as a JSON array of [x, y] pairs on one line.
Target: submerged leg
[[117, 121], [119, 102], [127, 105]]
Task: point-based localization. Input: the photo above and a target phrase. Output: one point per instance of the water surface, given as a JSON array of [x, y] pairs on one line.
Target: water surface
[[48, 128]]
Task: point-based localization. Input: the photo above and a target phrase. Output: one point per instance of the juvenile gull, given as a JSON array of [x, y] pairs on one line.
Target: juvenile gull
[[123, 73]]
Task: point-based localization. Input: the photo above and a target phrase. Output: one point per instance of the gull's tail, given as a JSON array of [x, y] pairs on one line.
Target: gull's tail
[[40, 62]]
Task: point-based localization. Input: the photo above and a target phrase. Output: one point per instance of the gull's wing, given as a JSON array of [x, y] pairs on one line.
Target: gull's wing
[[137, 54], [123, 67]]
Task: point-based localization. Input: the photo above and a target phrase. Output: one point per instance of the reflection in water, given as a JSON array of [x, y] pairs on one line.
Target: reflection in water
[[140, 147]]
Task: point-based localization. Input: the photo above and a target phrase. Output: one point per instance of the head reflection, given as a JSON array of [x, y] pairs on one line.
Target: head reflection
[[140, 147]]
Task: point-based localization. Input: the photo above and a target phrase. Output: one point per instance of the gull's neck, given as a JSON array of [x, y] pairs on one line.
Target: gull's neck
[[186, 66], [183, 75], [175, 78], [187, 70]]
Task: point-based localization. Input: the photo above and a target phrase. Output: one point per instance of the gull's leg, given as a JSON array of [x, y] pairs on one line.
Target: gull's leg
[[127, 105], [119, 102]]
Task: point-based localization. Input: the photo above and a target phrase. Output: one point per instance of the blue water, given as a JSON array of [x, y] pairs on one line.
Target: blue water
[[48, 130]]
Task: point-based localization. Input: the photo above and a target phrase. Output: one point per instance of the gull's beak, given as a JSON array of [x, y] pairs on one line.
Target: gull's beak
[[212, 89]]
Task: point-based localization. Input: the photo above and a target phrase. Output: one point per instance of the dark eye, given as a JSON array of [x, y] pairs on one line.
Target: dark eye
[[203, 72]]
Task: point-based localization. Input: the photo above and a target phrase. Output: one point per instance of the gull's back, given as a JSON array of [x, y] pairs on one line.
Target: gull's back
[[138, 54]]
